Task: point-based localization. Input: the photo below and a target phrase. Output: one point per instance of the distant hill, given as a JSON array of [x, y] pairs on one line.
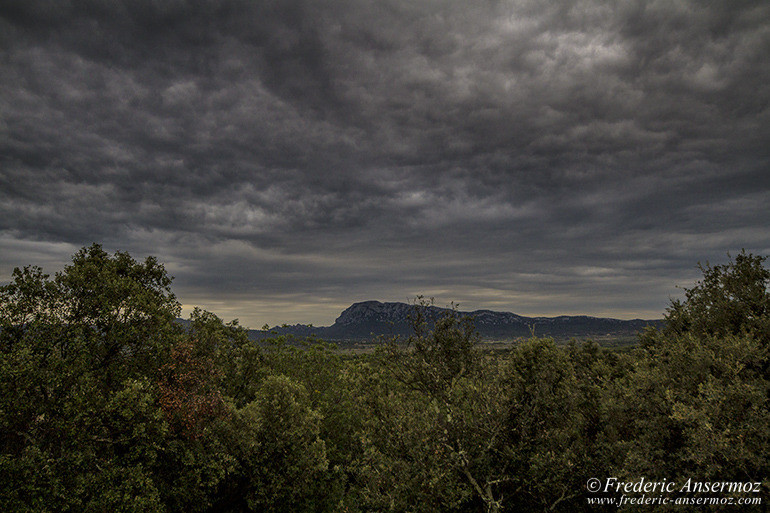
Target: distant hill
[[369, 319]]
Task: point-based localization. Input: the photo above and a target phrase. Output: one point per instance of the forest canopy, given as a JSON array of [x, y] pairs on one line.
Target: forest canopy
[[108, 403]]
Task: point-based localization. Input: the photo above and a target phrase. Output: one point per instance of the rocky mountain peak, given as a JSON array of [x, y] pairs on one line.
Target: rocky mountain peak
[[373, 311]]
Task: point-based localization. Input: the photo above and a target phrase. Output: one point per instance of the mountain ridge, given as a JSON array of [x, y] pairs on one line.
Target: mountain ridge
[[371, 319]]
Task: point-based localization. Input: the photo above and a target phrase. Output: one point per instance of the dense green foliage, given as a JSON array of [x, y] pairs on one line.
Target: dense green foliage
[[108, 404]]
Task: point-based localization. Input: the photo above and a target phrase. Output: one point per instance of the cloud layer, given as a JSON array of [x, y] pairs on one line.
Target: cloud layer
[[286, 158]]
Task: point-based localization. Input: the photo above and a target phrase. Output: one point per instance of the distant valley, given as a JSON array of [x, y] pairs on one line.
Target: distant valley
[[370, 319]]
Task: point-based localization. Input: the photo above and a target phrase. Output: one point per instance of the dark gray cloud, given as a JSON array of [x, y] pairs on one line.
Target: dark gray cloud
[[285, 158]]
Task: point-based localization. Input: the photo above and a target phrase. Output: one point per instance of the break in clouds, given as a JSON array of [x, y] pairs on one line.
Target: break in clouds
[[286, 158]]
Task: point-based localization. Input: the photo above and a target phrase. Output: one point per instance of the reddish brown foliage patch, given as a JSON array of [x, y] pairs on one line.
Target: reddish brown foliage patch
[[187, 390]]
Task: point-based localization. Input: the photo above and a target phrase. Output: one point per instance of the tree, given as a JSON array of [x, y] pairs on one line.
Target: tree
[[434, 406], [543, 427], [81, 425], [730, 299], [108, 404], [698, 401], [280, 460], [438, 352]]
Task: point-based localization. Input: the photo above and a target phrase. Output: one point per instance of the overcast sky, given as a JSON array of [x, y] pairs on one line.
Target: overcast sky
[[287, 158]]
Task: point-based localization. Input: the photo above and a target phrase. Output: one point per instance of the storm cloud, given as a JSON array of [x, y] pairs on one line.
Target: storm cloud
[[286, 158]]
